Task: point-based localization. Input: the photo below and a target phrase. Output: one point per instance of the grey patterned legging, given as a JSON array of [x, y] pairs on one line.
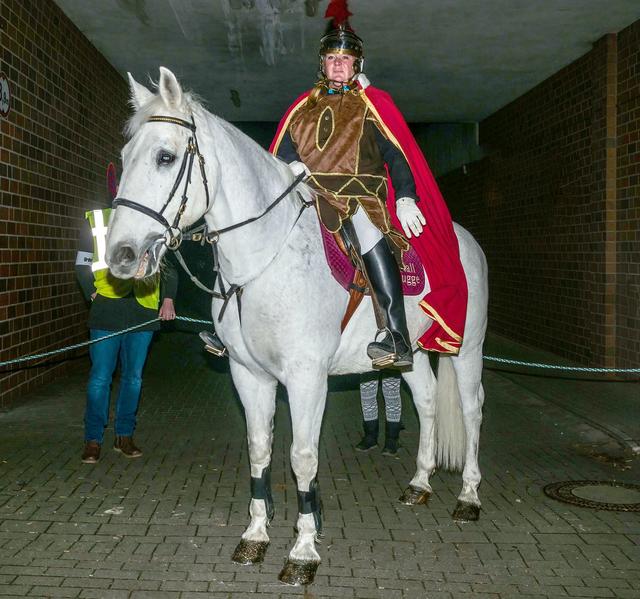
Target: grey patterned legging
[[390, 391]]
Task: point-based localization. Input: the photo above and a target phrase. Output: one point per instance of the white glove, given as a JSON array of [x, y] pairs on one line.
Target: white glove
[[299, 167], [363, 80], [410, 217]]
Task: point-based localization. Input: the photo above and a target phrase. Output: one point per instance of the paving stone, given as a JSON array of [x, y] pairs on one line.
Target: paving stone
[[136, 585], [39, 580], [25, 570], [606, 539], [606, 581], [14, 590], [184, 585], [45, 591], [564, 580], [589, 592], [103, 594], [190, 595], [96, 583], [232, 586], [325, 591], [466, 536], [541, 590], [155, 595], [627, 593], [72, 528], [123, 529], [377, 593]]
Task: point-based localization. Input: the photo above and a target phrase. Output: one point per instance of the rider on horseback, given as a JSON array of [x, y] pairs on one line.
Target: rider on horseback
[[338, 138], [359, 155]]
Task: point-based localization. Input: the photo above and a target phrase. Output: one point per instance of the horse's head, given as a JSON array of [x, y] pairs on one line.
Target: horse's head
[[162, 188]]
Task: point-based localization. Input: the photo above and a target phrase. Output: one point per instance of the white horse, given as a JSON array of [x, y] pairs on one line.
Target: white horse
[[286, 326]]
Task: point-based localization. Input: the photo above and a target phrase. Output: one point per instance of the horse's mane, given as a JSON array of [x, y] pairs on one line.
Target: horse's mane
[[190, 103]]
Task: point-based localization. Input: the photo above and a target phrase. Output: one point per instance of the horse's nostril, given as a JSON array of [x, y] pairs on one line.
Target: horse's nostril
[[125, 255]]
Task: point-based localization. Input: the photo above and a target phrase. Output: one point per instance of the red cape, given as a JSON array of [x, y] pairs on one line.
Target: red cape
[[437, 246]]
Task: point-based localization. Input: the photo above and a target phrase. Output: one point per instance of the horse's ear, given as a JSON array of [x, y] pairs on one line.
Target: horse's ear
[[170, 89], [139, 93]]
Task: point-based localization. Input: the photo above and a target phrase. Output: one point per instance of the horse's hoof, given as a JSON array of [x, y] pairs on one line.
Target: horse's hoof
[[466, 512], [298, 573], [249, 552], [415, 496]]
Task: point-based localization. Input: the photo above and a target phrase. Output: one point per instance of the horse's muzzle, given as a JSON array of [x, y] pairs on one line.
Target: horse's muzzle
[[126, 261]]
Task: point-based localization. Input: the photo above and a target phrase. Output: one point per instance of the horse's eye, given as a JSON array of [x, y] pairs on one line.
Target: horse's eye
[[165, 158]]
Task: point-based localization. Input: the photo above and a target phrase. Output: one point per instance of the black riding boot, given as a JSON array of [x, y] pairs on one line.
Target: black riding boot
[[391, 435], [213, 344], [394, 349], [370, 438]]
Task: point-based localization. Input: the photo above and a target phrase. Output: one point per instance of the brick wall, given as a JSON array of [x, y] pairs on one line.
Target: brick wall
[[560, 236], [67, 112], [628, 189]]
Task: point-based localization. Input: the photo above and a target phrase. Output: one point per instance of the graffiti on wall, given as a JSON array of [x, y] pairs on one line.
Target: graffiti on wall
[[277, 24]]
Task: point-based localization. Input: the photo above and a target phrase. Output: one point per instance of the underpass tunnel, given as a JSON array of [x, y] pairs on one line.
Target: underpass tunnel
[[529, 117]]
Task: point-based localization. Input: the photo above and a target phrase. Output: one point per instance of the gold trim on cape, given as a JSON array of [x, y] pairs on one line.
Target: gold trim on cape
[[285, 125], [452, 347], [390, 135]]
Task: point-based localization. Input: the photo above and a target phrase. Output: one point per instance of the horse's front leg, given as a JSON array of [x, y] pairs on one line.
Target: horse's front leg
[[307, 398], [257, 392]]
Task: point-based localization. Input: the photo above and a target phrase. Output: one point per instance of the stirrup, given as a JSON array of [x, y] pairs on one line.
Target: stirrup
[[213, 344], [220, 353], [389, 357]]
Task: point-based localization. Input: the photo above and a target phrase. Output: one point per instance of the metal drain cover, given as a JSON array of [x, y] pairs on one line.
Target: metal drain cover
[[599, 495]]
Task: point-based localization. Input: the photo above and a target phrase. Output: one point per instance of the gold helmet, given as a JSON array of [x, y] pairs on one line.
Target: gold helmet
[[341, 40], [340, 37]]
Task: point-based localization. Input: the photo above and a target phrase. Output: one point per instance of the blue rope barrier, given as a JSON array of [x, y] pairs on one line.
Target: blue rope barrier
[[85, 343], [208, 322], [556, 367]]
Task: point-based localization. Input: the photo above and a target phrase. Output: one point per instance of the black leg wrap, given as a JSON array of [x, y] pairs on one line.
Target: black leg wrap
[[261, 489], [309, 503]]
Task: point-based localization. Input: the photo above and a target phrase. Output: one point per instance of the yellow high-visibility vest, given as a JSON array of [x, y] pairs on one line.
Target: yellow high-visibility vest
[[146, 291]]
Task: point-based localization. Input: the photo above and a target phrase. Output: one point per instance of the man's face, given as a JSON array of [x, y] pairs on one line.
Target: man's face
[[339, 68]]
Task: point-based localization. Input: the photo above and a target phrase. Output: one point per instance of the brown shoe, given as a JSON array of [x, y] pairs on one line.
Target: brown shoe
[[126, 447], [91, 453]]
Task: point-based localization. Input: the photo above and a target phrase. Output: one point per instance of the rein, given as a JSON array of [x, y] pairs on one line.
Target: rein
[[199, 234], [192, 150], [173, 235]]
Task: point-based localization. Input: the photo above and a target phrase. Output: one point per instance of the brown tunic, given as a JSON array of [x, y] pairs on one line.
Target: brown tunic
[[336, 139]]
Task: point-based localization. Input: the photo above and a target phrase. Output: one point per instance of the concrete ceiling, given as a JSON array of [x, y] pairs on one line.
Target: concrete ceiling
[[442, 60]]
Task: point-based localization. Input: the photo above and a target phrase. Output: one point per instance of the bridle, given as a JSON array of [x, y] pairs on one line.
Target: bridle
[[173, 234]]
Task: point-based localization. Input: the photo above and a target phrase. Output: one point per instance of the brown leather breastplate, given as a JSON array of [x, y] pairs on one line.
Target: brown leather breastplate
[[334, 141]]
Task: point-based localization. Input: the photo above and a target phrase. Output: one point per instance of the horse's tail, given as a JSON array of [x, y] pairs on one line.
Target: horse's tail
[[450, 432]]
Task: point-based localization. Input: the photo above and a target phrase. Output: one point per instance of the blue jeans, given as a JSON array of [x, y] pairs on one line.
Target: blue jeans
[[132, 349]]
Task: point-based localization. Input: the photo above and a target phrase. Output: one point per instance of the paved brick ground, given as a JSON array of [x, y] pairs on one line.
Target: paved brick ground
[[166, 525]]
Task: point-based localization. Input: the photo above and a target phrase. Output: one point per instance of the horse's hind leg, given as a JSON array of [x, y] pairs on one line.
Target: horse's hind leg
[[307, 398], [422, 383], [468, 367], [257, 393]]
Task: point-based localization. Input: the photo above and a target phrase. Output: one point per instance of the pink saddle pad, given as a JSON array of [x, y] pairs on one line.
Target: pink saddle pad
[[413, 276]]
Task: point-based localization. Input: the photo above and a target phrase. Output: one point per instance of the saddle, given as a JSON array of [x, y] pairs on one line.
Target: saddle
[[346, 267]]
